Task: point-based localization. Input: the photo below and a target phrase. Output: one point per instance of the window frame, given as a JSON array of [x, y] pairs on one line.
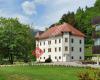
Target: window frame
[[49, 49], [72, 49], [66, 39], [66, 48], [72, 40]]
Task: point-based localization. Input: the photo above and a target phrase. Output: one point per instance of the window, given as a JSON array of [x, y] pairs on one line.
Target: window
[[66, 48], [49, 49], [72, 57], [72, 40], [80, 49], [55, 49], [44, 50], [72, 49], [66, 39], [49, 42], [59, 49], [80, 57], [55, 57], [59, 40], [55, 41], [80, 41], [44, 43], [59, 57]]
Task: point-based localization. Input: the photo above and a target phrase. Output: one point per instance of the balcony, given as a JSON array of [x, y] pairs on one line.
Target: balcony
[[96, 49], [96, 34]]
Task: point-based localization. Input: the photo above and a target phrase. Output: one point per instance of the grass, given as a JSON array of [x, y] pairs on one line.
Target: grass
[[40, 73]]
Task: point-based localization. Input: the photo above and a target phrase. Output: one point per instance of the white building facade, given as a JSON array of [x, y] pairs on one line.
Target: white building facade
[[62, 46]]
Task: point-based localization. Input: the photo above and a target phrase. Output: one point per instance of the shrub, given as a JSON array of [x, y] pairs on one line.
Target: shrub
[[48, 60], [84, 76], [88, 62]]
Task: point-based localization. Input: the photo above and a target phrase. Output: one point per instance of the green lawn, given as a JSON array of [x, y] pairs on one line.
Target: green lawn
[[40, 73]]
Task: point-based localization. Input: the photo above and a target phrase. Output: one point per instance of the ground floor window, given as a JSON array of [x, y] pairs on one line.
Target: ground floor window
[[72, 57], [59, 57], [80, 57], [55, 57]]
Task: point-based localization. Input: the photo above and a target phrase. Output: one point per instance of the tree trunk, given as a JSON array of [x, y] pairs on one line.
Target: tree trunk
[[11, 59]]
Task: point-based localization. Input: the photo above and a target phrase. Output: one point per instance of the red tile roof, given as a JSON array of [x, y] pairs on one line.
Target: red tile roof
[[57, 30]]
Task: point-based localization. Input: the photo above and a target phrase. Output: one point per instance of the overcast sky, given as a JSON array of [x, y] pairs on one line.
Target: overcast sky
[[40, 13]]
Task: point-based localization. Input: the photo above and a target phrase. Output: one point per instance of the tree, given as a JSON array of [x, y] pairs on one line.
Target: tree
[[68, 18], [16, 40]]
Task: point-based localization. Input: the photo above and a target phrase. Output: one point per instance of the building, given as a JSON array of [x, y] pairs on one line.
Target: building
[[96, 38], [96, 35], [62, 43]]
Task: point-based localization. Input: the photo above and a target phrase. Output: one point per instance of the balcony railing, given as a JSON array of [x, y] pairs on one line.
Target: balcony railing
[[96, 49], [96, 34]]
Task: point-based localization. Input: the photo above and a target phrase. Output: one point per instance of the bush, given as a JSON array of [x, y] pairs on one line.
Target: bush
[[88, 62], [4, 62], [87, 76], [84, 76], [48, 60]]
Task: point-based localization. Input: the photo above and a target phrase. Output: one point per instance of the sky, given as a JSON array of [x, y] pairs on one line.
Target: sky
[[40, 13]]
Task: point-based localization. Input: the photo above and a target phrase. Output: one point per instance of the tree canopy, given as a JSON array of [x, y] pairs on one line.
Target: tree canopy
[[16, 40]]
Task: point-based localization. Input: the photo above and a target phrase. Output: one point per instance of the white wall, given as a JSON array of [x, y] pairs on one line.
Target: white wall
[[53, 54], [76, 44]]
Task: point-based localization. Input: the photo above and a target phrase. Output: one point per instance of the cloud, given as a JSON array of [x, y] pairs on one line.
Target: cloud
[[22, 18], [40, 1], [29, 7]]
